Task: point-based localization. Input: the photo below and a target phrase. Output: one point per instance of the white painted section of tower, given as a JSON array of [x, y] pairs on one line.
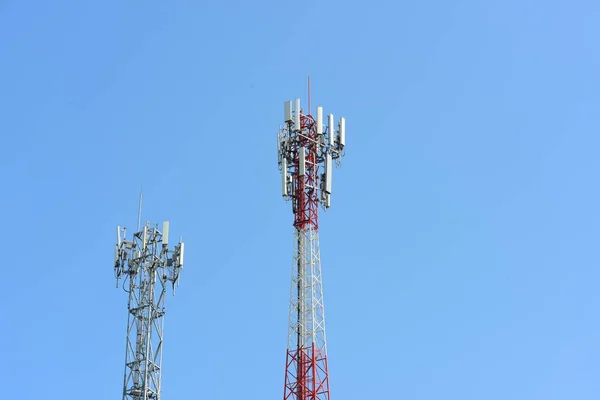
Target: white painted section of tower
[[307, 314]]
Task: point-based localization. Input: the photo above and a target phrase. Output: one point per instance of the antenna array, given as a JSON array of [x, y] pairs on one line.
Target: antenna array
[[297, 138]]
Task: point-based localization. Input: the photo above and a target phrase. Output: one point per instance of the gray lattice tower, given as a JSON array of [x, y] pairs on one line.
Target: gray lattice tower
[[146, 265]]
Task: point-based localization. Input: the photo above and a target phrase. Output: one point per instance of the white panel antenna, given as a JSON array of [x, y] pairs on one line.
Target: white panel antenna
[[302, 161], [118, 235], [116, 254], [281, 147], [181, 254], [284, 189], [297, 124], [165, 232], [328, 173], [287, 112], [342, 132], [331, 129], [319, 120], [145, 238]]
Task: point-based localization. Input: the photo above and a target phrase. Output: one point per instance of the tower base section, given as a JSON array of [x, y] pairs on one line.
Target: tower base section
[[306, 376]]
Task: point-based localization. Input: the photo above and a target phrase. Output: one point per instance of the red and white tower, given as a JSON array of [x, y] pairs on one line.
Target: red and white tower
[[306, 152]]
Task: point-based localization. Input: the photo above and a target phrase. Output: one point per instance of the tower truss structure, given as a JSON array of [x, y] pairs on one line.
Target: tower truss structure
[[146, 266], [306, 151]]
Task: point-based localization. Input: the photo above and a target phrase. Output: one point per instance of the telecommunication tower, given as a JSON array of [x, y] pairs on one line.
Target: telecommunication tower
[[146, 265], [306, 152]]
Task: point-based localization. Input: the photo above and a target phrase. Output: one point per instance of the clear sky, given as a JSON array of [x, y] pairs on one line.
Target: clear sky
[[460, 255]]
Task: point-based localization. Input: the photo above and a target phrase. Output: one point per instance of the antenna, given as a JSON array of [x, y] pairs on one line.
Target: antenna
[[165, 232], [181, 254], [145, 238], [319, 120], [140, 209], [284, 189], [287, 112], [342, 132], [297, 117], [308, 113], [302, 162], [328, 174], [330, 129]]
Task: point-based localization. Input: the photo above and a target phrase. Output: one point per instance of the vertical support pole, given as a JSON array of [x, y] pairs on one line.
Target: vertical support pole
[[309, 111]]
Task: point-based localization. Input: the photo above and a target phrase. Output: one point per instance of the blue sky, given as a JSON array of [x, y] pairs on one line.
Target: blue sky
[[460, 253]]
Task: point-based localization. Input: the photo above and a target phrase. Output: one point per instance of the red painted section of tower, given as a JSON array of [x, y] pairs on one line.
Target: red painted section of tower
[[307, 376], [305, 201]]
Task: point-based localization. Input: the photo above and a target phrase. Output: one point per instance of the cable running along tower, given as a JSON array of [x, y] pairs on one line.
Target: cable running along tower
[[306, 151], [146, 265]]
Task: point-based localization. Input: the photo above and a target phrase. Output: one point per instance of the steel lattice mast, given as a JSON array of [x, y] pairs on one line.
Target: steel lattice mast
[[146, 265], [305, 148]]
